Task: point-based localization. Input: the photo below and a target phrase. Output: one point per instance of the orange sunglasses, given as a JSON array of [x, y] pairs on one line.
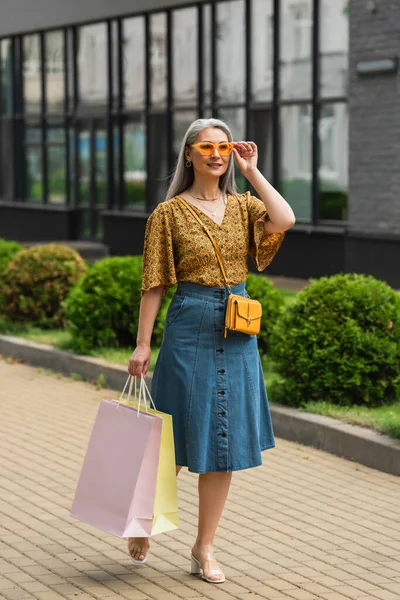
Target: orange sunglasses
[[207, 148]]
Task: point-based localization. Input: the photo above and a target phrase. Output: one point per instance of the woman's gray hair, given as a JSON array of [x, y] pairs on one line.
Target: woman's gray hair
[[183, 176]]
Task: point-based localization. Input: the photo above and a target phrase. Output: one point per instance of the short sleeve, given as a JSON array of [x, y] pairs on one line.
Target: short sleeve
[[158, 255], [263, 246]]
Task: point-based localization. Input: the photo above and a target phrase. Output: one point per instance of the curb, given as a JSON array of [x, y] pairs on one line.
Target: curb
[[60, 361], [360, 444]]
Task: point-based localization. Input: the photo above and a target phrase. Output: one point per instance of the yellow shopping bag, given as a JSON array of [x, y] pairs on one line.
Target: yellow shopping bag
[[166, 499]]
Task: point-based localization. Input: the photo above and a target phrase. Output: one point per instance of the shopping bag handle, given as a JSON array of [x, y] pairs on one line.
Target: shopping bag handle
[[144, 393]]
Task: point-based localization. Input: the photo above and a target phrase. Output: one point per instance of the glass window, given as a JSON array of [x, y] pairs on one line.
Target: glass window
[[261, 134], [158, 59], [334, 47], [135, 163], [70, 58], [134, 67], [184, 56], [55, 85], [296, 129], [100, 147], [32, 73], [182, 120], [262, 49], [33, 162], [84, 164], [6, 77], [92, 64], [231, 51], [295, 49], [236, 120], [56, 161], [157, 168], [333, 170], [206, 54]]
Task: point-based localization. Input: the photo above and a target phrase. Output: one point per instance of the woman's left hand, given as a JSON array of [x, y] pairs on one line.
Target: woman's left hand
[[246, 156]]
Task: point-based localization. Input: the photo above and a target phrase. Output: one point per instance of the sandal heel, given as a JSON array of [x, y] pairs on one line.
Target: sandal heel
[[194, 566]]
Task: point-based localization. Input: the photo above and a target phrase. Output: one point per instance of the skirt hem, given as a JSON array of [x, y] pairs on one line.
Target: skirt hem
[[241, 468]]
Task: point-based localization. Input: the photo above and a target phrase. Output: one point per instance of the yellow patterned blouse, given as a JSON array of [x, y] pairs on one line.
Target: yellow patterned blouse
[[176, 248]]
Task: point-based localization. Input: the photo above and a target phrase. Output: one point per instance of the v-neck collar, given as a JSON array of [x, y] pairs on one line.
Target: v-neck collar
[[219, 225]]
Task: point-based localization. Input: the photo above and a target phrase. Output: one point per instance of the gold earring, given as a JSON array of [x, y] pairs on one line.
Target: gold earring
[[188, 164]]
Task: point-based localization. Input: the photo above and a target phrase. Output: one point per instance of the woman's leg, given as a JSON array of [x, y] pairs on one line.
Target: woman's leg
[[213, 492], [138, 547]]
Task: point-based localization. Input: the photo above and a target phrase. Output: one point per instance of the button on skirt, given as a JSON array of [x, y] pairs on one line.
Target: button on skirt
[[212, 386]]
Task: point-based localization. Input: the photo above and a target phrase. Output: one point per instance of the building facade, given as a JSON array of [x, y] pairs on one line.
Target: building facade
[[94, 100]]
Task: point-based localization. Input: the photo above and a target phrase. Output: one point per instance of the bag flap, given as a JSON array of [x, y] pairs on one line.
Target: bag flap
[[247, 309]]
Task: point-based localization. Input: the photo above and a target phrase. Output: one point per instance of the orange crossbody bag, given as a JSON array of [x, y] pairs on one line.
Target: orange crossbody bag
[[242, 314]]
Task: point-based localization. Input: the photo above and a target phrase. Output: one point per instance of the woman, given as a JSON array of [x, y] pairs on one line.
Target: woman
[[213, 386]]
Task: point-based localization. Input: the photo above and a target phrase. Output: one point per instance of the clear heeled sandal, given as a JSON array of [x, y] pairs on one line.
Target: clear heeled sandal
[[197, 568]]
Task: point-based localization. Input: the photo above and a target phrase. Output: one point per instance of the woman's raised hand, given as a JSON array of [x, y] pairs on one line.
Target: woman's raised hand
[[139, 361], [246, 155]]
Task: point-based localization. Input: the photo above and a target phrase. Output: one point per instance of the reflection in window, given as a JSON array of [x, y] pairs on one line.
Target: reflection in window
[[206, 54], [157, 169], [231, 51], [235, 118], [334, 48], [6, 77], [92, 64], [100, 144], [261, 134], [333, 170], [182, 120], [34, 163], [135, 164], [55, 86], [158, 58], [32, 73], [262, 49], [134, 61], [185, 56], [56, 158], [295, 49], [84, 166], [296, 159]]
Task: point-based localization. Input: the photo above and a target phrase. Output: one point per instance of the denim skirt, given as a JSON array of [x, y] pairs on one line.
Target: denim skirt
[[212, 386]]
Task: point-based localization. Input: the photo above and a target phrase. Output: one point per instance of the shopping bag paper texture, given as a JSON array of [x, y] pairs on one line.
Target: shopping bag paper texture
[[117, 487]]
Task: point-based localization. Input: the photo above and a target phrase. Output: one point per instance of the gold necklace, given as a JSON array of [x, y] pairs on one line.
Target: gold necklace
[[213, 213], [206, 199]]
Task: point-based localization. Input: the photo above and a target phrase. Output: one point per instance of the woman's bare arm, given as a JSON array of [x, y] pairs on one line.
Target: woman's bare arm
[[149, 307]]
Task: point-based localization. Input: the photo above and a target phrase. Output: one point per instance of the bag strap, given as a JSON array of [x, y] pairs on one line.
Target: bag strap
[[214, 243]]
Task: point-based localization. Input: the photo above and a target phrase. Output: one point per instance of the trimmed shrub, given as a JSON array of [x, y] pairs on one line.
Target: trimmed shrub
[[272, 301], [36, 283], [103, 308], [339, 341], [159, 325], [8, 250]]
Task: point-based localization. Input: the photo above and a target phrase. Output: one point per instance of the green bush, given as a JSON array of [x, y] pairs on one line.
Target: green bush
[[159, 325], [272, 301], [8, 250], [103, 308], [36, 283], [339, 341]]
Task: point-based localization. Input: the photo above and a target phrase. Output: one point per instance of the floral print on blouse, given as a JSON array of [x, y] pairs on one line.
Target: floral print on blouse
[[176, 248]]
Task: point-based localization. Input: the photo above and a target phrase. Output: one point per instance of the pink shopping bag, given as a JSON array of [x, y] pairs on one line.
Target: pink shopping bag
[[117, 485]]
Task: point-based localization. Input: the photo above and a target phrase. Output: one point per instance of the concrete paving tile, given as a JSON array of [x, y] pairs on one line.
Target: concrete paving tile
[[340, 542]]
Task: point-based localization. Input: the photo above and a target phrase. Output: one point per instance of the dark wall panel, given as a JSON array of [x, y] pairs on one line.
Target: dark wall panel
[[18, 16]]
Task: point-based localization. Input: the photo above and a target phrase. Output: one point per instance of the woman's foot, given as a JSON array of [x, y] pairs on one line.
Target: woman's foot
[[138, 548], [203, 559]]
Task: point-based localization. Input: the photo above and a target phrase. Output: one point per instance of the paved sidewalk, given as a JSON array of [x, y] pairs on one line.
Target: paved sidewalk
[[306, 525]]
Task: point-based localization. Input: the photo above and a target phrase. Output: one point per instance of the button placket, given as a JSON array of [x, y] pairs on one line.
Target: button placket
[[222, 404]]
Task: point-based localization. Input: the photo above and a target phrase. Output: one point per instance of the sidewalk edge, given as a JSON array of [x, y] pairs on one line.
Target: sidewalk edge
[[360, 444]]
